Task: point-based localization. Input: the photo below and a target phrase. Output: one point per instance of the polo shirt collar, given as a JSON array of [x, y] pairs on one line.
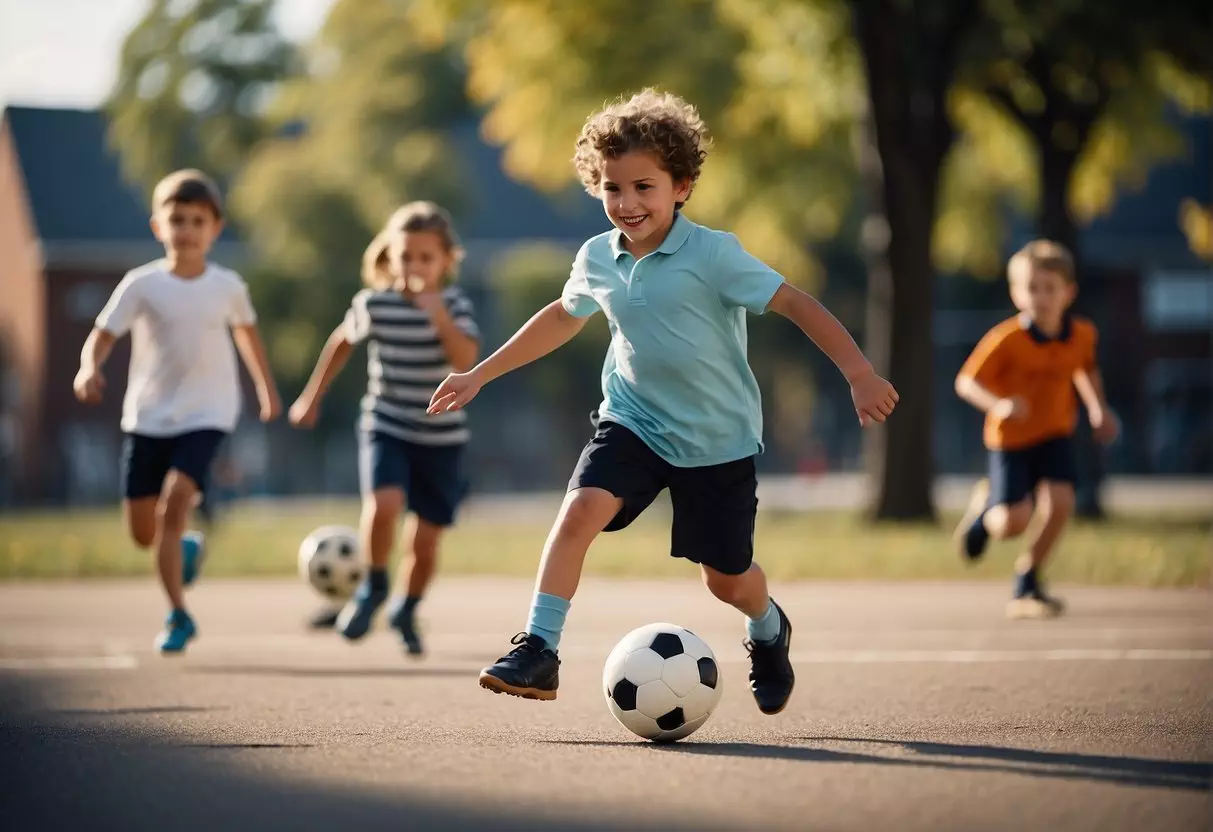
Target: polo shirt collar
[[1034, 332], [680, 231]]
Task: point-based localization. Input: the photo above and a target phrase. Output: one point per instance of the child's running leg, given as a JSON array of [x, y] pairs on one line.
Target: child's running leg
[[1055, 504], [377, 529], [769, 634], [1000, 506], [141, 519], [531, 669], [172, 512], [421, 546]]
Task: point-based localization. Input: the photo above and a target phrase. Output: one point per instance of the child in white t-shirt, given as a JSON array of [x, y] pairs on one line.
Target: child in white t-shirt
[[183, 390]]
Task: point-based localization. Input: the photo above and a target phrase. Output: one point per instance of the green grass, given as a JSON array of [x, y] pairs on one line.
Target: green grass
[[1172, 551]]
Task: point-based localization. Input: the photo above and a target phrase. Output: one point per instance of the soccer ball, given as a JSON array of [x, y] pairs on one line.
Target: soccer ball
[[329, 561], [662, 682]]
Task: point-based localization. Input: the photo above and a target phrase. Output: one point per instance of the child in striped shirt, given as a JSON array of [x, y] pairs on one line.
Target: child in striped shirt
[[418, 328]]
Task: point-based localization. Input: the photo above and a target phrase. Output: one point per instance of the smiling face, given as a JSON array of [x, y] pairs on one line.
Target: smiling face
[[639, 198]]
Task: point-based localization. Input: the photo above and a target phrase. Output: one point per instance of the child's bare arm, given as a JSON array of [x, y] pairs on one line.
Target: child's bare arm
[[874, 397], [972, 391], [460, 348], [333, 358], [252, 351], [547, 330], [1089, 384], [89, 383]]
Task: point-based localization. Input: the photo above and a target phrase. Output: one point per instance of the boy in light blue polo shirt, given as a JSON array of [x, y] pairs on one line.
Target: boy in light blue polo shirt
[[681, 407]]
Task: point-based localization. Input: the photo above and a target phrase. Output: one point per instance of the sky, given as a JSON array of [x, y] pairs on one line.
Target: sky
[[64, 53]]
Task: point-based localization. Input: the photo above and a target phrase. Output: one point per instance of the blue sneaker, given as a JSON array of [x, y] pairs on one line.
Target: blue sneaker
[[401, 620], [193, 554], [355, 620], [178, 630]]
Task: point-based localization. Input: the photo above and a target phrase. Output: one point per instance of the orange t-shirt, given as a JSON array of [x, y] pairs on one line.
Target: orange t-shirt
[[1014, 359]]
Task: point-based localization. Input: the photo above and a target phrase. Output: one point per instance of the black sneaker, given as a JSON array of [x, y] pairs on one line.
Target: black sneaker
[[771, 674], [530, 670], [401, 620]]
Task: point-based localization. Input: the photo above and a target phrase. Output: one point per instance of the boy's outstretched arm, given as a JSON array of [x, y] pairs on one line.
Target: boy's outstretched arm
[[874, 397], [548, 329], [89, 383], [1089, 383], [971, 390], [333, 358], [252, 350]]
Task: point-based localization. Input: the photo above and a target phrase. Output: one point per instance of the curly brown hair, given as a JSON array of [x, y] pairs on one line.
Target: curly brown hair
[[658, 122]]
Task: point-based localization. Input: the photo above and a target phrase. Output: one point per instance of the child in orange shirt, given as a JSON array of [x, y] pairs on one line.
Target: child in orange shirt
[[1023, 375]]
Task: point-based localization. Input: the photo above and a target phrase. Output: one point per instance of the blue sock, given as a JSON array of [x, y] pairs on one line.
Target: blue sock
[[765, 629], [547, 618], [1025, 582]]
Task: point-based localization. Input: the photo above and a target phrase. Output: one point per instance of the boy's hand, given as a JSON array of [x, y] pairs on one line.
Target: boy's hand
[[89, 385], [304, 411], [456, 390], [1104, 425], [1011, 408], [874, 398], [271, 405]]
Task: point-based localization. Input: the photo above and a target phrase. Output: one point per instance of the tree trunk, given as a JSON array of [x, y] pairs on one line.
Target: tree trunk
[[1056, 222], [909, 61]]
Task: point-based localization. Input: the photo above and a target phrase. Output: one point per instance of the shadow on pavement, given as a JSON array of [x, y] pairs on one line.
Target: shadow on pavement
[[1129, 771], [91, 774], [335, 672]]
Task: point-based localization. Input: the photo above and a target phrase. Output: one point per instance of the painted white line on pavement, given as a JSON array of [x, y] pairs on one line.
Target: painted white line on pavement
[[69, 663], [992, 656]]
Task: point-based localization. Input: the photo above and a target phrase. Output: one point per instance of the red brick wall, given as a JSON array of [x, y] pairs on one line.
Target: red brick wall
[[22, 320]]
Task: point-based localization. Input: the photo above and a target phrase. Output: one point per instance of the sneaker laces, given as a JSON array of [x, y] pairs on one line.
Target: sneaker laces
[[766, 659], [524, 647]]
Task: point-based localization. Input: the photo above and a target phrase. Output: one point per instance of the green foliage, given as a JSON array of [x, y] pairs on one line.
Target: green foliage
[[192, 85]]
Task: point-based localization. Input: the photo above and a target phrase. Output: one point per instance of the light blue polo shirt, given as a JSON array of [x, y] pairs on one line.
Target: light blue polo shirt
[[676, 373]]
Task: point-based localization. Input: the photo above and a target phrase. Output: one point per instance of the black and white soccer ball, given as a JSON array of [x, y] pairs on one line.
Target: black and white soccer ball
[[662, 682], [330, 562]]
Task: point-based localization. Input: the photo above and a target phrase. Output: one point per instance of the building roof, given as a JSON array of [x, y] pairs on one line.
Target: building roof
[[74, 181]]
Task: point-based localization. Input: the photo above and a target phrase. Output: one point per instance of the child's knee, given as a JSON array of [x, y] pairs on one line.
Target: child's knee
[[727, 588], [1057, 500], [176, 500], [588, 511], [383, 506], [425, 541]]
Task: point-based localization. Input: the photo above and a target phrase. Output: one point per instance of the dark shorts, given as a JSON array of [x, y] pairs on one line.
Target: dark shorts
[[146, 460], [430, 476], [1014, 475], [714, 506]]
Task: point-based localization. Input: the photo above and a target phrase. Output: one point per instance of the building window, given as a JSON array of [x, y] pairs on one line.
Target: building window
[[1178, 301]]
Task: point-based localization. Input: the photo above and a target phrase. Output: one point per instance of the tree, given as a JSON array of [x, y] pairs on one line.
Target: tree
[[192, 84], [911, 52]]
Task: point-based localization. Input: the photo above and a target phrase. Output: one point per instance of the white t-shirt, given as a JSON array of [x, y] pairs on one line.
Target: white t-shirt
[[183, 375]]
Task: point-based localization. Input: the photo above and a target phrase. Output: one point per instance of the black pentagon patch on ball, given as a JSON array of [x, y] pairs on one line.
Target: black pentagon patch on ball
[[666, 645], [355, 576], [624, 695], [674, 719], [322, 571], [707, 673], [345, 549]]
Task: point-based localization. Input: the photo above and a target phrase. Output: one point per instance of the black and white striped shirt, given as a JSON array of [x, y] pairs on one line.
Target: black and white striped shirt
[[405, 364]]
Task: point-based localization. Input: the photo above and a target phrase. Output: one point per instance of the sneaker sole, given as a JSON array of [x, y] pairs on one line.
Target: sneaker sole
[[782, 707], [1019, 609], [494, 684]]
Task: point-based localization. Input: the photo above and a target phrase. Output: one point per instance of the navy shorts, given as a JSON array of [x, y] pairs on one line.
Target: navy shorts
[[1015, 474], [431, 476], [714, 506], [146, 460]]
